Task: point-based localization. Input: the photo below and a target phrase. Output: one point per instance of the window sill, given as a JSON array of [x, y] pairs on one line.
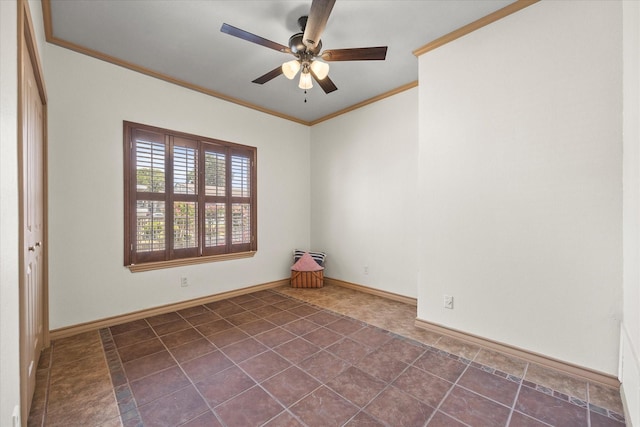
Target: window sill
[[148, 266]]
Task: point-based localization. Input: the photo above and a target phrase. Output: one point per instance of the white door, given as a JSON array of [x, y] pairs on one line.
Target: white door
[[32, 283]]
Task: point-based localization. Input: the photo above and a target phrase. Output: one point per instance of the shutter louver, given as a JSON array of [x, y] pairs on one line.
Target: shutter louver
[[240, 176], [150, 226], [185, 173], [215, 225], [186, 197], [150, 169], [241, 229], [150, 184], [215, 173], [185, 225]]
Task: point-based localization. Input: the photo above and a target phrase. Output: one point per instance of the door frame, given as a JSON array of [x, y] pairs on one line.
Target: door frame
[[28, 51]]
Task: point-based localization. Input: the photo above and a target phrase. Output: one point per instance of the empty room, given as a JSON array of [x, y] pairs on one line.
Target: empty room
[[320, 213]]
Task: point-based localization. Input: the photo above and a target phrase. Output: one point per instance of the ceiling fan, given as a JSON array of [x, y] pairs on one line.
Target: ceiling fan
[[306, 46]]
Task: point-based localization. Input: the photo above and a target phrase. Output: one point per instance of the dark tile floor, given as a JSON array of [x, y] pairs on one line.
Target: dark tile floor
[[288, 357]]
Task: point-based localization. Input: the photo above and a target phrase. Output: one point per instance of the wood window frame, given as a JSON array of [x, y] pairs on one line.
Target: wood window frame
[[168, 256]]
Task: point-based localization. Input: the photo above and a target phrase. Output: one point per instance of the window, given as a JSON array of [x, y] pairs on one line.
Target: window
[[188, 199]]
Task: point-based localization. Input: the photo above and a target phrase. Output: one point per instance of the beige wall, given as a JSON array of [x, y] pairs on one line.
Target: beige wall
[[9, 274], [363, 187], [630, 334], [516, 213], [521, 182], [88, 100]]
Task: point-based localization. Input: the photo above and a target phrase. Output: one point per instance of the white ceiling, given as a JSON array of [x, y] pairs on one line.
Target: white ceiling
[[181, 39]]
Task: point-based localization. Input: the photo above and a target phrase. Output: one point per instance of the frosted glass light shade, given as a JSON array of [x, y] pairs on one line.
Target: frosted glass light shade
[[305, 81], [320, 69], [290, 69]]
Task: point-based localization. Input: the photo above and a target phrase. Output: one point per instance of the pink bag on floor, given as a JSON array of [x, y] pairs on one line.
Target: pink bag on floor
[[306, 263]]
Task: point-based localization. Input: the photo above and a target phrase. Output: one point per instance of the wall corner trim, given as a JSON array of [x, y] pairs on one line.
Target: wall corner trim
[[627, 415]]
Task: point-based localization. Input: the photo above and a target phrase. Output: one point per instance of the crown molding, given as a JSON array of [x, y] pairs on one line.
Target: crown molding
[[475, 25]]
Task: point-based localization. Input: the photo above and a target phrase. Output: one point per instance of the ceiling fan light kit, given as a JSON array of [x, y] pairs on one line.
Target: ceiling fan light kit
[[320, 69], [291, 68], [305, 81], [306, 46]]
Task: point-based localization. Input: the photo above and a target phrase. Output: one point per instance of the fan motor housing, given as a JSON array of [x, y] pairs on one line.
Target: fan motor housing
[[297, 46], [295, 43]]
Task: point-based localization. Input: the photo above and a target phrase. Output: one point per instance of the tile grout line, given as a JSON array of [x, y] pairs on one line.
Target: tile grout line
[[191, 381], [609, 413], [105, 358], [342, 337], [429, 346], [574, 400], [293, 364], [437, 351], [515, 400], [296, 364], [388, 384], [259, 383], [588, 406], [220, 349], [536, 387], [45, 409], [447, 394], [217, 348], [159, 337], [116, 368]]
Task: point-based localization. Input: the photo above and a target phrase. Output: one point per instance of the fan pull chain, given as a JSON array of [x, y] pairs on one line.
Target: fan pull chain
[[305, 96]]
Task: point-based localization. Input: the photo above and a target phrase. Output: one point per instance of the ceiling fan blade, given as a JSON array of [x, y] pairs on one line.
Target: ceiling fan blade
[[356, 54], [318, 16], [245, 35], [269, 76], [326, 84]]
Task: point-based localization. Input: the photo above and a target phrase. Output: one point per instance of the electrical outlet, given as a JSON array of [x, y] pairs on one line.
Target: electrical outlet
[[184, 282], [366, 269], [448, 302]]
